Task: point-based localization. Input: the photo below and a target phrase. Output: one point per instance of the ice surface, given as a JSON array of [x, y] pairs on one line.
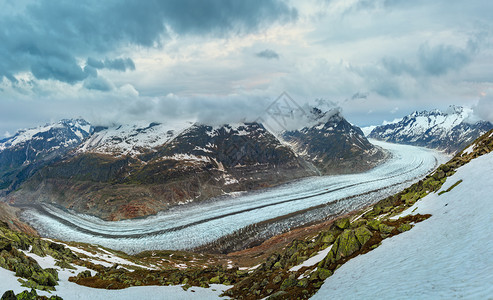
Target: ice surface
[[448, 256], [195, 224]]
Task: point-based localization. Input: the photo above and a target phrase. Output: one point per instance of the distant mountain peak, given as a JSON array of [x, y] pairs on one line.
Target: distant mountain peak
[[450, 130], [28, 150], [332, 144], [80, 127]]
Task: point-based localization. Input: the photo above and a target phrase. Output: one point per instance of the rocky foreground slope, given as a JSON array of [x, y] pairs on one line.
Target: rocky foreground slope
[[137, 170], [450, 131]]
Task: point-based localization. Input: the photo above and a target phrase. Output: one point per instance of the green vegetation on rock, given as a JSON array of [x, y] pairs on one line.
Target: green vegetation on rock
[[26, 295]]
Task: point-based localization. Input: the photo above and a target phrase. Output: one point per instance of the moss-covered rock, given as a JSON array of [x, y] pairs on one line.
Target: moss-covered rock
[[345, 244], [277, 279], [323, 273], [5, 244], [328, 239], [26, 295], [363, 234], [84, 274], [373, 224], [9, 295], [64, 265], [358, 223], [404, 227], [289, 282], [342, 223], [216, 279], [45, 277], [303, 282], [386, 229]]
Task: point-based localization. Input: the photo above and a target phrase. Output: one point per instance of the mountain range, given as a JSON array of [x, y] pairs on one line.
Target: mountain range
[[450, 131], [131, 171]]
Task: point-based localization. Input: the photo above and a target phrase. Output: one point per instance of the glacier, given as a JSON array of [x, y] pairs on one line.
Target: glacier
[[195, 224]]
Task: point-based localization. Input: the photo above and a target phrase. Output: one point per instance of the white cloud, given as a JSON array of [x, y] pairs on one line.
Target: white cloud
[[484, 108]]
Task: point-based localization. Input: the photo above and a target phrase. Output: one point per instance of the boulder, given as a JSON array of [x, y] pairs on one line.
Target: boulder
[[323, 273], [386, 229], [342, 223], [358, 223], [347, 244], [289, 282], [5, 245], [277, 279], [404, 227], [328, 239], [373, 224], [303, 282], [363, 234], [215, 279]]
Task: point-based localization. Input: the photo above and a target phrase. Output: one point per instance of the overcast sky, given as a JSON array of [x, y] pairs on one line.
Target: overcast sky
[[221, 61]]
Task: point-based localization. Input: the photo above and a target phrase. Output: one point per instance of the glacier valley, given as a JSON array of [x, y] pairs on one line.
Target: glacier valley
[[280, 208]]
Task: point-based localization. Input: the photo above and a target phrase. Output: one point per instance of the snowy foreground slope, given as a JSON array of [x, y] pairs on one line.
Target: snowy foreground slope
[[447, 256], [71, 290]]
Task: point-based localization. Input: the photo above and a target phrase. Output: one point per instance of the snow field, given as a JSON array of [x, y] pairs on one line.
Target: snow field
[[447, 256]]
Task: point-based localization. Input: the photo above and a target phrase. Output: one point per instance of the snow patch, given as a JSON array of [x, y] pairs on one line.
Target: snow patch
[[468, 150], [312, 260]]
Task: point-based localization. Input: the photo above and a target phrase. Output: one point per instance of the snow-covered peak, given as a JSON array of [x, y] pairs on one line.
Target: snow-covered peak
[[232, 128], [62, 131], [316, 117], [132, 139], [450, 130], [420, 122], [453, 116]]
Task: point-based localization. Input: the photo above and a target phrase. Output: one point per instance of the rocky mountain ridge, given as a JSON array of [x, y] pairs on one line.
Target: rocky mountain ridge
[[333, 145], [449, 131], [136, 170]]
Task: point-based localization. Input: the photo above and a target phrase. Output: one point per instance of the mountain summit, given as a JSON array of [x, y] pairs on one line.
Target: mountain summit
[[24, 153], [450, 131], [333, 145]]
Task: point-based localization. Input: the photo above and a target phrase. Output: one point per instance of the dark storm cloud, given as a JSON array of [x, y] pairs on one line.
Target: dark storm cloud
[[267, 54], [49, 37]]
